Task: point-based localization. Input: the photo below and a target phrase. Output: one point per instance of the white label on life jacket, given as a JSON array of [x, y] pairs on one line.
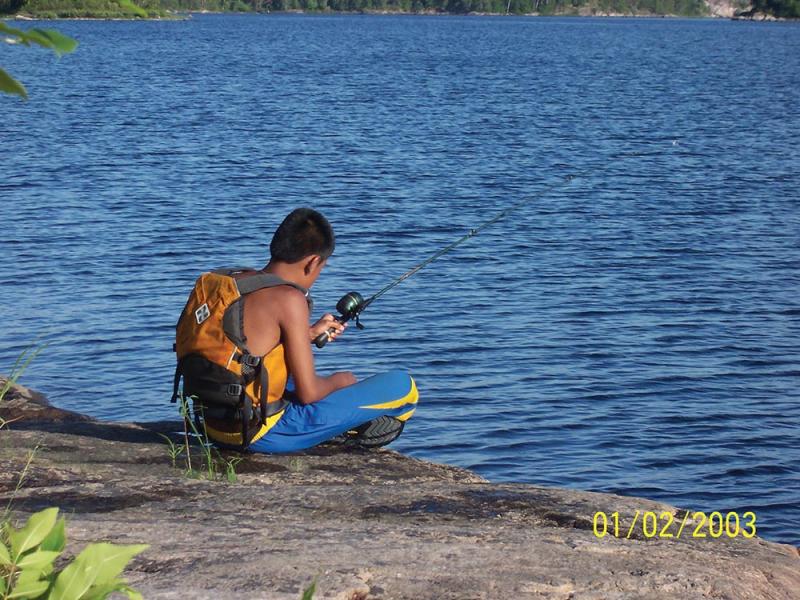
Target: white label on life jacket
[[202, 313]]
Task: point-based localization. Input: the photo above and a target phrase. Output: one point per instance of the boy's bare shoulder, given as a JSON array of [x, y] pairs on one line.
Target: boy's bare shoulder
[[281, 301]]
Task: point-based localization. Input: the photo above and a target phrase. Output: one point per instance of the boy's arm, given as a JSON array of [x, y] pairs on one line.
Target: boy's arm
[[309, 387]]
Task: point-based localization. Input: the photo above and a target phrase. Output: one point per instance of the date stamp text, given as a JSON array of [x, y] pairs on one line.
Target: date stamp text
[[665, 525]]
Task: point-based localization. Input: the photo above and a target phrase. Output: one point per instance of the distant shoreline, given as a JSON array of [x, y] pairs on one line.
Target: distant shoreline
[[182, 16], [187, 16]]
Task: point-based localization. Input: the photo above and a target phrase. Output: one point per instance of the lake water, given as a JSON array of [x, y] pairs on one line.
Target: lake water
[[635, 331]]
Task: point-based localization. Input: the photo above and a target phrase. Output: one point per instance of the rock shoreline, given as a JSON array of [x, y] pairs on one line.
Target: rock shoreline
[[364, 524]]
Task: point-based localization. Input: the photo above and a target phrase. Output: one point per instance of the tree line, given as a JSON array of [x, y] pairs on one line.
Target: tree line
[[788, 9], [678, 7], [145, 8], [154, 8], [101, 9]]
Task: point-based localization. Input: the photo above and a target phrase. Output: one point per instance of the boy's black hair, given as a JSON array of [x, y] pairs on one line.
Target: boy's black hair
[[303, 232]]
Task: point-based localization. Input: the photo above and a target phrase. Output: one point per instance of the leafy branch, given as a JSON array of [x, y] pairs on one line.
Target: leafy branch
[[46, 38], [28, 554]]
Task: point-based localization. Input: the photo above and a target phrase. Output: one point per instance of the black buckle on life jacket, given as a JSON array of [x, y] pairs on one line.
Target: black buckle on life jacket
[[234, 389], [251, 360], [250, 364], [248, 360]]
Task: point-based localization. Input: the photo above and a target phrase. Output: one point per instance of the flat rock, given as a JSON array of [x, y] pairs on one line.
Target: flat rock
[[363, 524]]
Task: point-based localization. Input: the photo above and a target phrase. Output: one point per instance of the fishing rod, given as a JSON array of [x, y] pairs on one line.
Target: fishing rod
[[352, 304]]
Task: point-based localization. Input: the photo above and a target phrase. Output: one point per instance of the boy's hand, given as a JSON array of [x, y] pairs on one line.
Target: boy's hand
[[324, 324], [343, 379]]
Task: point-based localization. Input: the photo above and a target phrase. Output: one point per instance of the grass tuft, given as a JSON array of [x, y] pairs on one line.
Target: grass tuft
[[213, 466]]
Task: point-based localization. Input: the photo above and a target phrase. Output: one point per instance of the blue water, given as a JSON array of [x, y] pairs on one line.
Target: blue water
[[635, 331]]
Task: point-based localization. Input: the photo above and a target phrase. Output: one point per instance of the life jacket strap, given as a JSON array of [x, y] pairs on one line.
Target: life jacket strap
[[264, 384], [252, 367], [246, 416], [176, 381]]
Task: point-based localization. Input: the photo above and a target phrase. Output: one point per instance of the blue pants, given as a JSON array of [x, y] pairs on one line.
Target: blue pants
[[306, 425]]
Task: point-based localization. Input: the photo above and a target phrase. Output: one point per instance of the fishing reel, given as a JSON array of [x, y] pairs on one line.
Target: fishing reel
[[349, 306]]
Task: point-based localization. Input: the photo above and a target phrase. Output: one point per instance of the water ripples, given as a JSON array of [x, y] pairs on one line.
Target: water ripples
[[634, 331]]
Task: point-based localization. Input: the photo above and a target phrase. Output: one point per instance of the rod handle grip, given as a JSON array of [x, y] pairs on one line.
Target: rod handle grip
[[323, 338]]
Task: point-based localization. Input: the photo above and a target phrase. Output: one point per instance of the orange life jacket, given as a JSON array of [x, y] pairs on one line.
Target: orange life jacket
[[225, 381]]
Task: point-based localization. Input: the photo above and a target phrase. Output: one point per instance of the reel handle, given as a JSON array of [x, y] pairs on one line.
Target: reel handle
[[323, 338], [349, 306]]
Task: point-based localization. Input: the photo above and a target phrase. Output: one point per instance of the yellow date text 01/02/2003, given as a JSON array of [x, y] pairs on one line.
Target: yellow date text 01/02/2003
[[665, 525]]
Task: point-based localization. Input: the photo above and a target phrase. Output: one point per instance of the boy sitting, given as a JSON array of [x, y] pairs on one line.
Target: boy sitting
[[244, 332]]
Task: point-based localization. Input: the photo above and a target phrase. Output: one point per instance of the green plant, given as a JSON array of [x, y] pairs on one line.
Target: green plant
[[11, 7], [207, 448], [183, 407], [23, 360], [28, 554], [130, 7], [212, 461], [174, 449], [308, 593], [46, 38], [202, 438], [230, 467], [20, 480], [780, 8]]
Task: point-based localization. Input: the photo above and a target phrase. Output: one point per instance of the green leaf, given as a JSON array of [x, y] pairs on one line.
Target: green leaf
[[37, 561], [72, 582], [11, 30], [34, 531], [100, 592], [9, 85], [97, 564], [29, 583], [110, 559], [46, 38], [5, 557], [133, 8], [308, 593], [34, 35], [132, 594], [2, 586], [28, 577], [50, 38], [29, 589], [56, 539]]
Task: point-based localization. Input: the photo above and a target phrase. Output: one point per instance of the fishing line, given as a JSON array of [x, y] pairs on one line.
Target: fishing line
[[352, 304]]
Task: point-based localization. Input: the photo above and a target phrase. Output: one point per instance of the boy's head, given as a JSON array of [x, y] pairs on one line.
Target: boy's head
[[303, 233]]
